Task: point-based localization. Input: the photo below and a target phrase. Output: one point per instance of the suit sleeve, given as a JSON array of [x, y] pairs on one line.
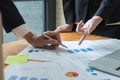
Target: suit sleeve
[[10, 15], [69, 10], [105, 9]]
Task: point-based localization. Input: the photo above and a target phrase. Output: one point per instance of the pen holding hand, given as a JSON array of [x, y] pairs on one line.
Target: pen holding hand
[[52, 39], [40, 41]]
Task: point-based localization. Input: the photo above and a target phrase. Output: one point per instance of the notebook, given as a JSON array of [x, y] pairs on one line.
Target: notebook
[[109, 63]]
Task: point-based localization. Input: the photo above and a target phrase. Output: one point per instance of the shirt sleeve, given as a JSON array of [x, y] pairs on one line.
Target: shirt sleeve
[[11, 17], [21, 30], [105, 8]]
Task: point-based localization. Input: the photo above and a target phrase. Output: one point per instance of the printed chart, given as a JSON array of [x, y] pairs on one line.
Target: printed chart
[[66, 64]]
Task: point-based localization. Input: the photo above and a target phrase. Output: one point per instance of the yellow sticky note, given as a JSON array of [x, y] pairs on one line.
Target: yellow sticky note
[[17, 59]]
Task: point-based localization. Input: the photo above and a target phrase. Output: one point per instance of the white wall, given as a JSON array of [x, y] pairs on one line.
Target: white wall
[[59, 13]]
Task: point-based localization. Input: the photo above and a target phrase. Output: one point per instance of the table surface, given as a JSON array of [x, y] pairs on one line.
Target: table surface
[[15, 47]]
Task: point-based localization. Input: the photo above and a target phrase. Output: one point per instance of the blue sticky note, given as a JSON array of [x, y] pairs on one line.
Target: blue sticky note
[[89, 49], [83, 50], [70, 51], [23, 78], [33, 78], [76, 50], [13, 78]]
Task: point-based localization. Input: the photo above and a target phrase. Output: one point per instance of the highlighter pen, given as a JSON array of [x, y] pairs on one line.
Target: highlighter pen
[[52, 38]]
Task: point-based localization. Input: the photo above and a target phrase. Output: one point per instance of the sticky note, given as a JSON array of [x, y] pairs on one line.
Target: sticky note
[[17, 59]]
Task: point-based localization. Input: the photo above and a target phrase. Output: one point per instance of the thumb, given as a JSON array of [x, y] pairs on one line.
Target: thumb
[[79, 25]]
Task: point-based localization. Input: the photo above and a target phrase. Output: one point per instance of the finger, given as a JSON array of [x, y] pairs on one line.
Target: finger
[[79, 26], [81, 39], [56, 35]]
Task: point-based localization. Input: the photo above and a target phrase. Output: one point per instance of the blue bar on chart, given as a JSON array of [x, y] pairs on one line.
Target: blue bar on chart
[[30, 51], [76, 50], [36, 50], [70, 51], [13, 78], [33, 78], [44, 79], [23, 78], [83, 50], [89, 49]]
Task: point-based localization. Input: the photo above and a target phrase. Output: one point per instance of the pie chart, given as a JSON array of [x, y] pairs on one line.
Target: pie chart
[[71, 74]]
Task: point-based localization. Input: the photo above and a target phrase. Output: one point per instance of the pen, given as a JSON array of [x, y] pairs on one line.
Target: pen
[[39, 60], [52, 38]]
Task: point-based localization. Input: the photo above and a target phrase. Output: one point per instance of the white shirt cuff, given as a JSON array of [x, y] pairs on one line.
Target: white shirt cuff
[[21, 30]]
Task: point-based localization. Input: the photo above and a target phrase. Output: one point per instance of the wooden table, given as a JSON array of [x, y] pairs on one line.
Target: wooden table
[[13, 48]]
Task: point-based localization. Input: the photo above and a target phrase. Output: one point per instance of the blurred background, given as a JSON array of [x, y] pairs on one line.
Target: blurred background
[[40, 16]]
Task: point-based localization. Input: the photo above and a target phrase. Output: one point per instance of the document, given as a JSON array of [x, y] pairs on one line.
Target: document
[[65, 64]]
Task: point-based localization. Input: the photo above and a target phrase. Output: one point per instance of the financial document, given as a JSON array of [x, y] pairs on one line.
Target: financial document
[[64, 63]]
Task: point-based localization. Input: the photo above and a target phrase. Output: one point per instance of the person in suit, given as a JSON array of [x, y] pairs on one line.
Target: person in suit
[[12, 21], [99, 17]]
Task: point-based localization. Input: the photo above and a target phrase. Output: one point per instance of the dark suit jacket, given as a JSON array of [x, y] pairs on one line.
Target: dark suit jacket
[[76, 10], [10, 15]]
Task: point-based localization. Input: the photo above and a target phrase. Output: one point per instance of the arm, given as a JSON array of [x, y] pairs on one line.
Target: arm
[[38, 40], [13, 21], [106, 8], [69, 10], [11, 17]]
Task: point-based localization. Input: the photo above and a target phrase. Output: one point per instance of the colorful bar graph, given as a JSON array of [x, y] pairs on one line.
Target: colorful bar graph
[[71, 51], [25, 78]]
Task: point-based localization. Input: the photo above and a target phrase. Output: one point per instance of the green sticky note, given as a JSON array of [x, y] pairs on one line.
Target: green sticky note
[[17, 59]]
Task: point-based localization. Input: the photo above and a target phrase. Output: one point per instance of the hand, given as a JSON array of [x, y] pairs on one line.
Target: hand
[[65, 28], [43, 42], [88, 27]]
